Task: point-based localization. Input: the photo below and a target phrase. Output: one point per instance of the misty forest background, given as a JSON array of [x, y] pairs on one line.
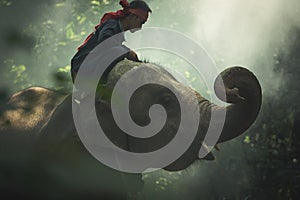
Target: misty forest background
[[38, 38]]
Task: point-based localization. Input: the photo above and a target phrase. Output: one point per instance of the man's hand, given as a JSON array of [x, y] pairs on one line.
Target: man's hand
[[132, 56]]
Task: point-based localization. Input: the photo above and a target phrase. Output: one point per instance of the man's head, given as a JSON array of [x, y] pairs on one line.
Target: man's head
[[137, 15]]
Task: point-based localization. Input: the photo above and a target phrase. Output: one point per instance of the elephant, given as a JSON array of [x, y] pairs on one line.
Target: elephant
[[56, 127], [242, 89], [29, 109]]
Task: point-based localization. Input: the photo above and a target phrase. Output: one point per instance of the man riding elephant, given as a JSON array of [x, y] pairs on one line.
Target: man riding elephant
[[132, 17]]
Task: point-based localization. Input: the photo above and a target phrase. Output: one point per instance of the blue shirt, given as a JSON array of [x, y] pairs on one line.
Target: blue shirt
[[107, 29]]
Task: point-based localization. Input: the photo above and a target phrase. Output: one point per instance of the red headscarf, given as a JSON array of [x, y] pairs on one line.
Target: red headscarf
[[117, 15]]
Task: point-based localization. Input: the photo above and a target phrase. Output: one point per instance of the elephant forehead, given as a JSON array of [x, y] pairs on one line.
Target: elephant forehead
[[143, 71]]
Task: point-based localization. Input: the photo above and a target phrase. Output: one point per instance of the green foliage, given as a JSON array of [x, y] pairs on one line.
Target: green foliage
[[55, 30]]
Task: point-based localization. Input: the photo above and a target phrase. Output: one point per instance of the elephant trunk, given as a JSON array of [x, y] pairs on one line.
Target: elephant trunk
[[237, 86], [243, 91]]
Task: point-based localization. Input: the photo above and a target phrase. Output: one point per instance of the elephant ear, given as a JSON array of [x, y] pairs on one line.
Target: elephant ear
[[209, 155]]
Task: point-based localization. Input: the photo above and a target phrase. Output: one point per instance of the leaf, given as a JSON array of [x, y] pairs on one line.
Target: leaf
[[64, 69], [247, 139], [70, 33], [187, 74], [95, 3], [81, 19]]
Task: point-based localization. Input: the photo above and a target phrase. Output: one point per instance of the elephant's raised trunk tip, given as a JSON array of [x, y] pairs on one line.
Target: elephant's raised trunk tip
[[236, 84], [239, 86]]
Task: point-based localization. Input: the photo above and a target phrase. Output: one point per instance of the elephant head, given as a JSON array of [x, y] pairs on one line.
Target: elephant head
[[243, 92]]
